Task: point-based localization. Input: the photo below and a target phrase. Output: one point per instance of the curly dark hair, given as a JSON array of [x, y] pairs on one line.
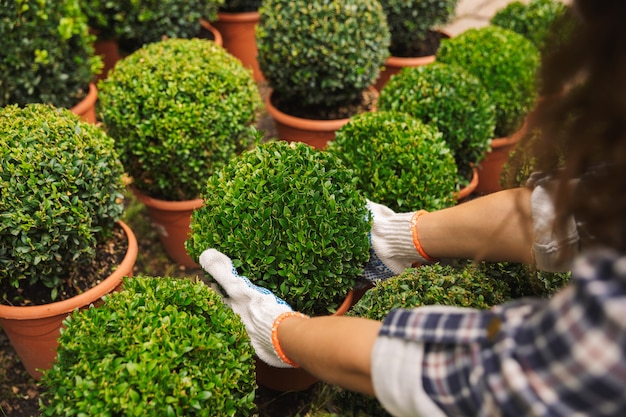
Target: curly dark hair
[[578, 129]]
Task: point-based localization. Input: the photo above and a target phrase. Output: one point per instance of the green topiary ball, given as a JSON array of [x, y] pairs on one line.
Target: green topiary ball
[[451, 99], [321, 52], [47, 53], [506, 63], [534, 20], [179, 110], [160, 347], [398, 161], [461, 285], [61, 192], [292, 220]]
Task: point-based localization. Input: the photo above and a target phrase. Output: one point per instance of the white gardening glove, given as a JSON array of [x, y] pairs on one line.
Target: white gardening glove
[[391, 244], [260, 310]]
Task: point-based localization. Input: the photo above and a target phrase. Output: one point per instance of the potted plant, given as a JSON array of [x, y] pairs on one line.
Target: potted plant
[[455, 102], [293, 221], [161, 346], [178, 109], [506, 63], [398, 160], [47, 56], [415, 33], [148, 21], [236, 22], [63, 245], [320, 59]]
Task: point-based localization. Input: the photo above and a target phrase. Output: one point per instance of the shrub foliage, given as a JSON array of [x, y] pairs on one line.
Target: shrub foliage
[[160, 347], [292, 220], [178, 109], [61, 192]]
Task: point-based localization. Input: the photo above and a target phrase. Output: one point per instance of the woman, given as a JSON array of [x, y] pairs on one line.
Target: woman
[[563, 356]]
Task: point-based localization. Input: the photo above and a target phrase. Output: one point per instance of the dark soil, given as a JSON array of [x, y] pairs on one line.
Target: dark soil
[[366, 102]]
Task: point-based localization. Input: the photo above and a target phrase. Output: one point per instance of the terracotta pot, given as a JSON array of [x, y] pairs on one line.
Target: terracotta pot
[[490, 169], [470, 188], [171, 220], [34, 330], [297, 379], [86, 108], [239, 37], [214, 33], [316, 133], [394, 64], [108, 49]]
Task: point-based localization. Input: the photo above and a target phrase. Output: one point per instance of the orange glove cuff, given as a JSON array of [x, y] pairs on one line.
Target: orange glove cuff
[[276, 343]]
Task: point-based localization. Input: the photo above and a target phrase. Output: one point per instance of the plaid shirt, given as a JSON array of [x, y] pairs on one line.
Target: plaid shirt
[[560, 357]]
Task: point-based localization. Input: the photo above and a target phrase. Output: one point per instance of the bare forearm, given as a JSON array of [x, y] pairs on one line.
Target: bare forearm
[[497, 227], [335, 349]]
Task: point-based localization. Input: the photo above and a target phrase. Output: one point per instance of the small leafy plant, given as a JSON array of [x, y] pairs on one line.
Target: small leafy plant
[[108, 19], [506, 63], [47, 54], [178, 109], [534, 20], [451, 99], [321, 53], [411, 23], [159, 347], [61, 193], [398, 160], [292, 220], [462, 284]]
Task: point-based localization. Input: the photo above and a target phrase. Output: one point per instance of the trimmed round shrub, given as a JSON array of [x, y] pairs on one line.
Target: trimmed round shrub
[[159, 347], [506, 63], [463, 285], [47, 54], [534, 20], [451, 99], [61, 192], [410, 22], [178, 109], [293, 221], [321, 52], [398, 161]]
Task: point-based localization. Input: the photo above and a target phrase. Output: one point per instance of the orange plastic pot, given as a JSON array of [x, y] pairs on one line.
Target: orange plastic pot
[[34, 330]]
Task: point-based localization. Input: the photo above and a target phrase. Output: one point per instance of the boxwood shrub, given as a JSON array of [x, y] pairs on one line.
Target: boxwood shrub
[[47, 54], [293, 221], [178, 109], [506, 63], [451, 99], [534, 20], [462, 284], [321, 52], [398, 160], [61, 192], [160, 347]]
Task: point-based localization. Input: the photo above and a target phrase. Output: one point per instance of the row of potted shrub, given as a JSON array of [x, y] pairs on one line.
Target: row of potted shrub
[[227, 103]]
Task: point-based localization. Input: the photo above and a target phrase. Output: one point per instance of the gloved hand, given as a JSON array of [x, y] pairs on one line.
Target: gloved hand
[[391, 243], [260, 310]]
